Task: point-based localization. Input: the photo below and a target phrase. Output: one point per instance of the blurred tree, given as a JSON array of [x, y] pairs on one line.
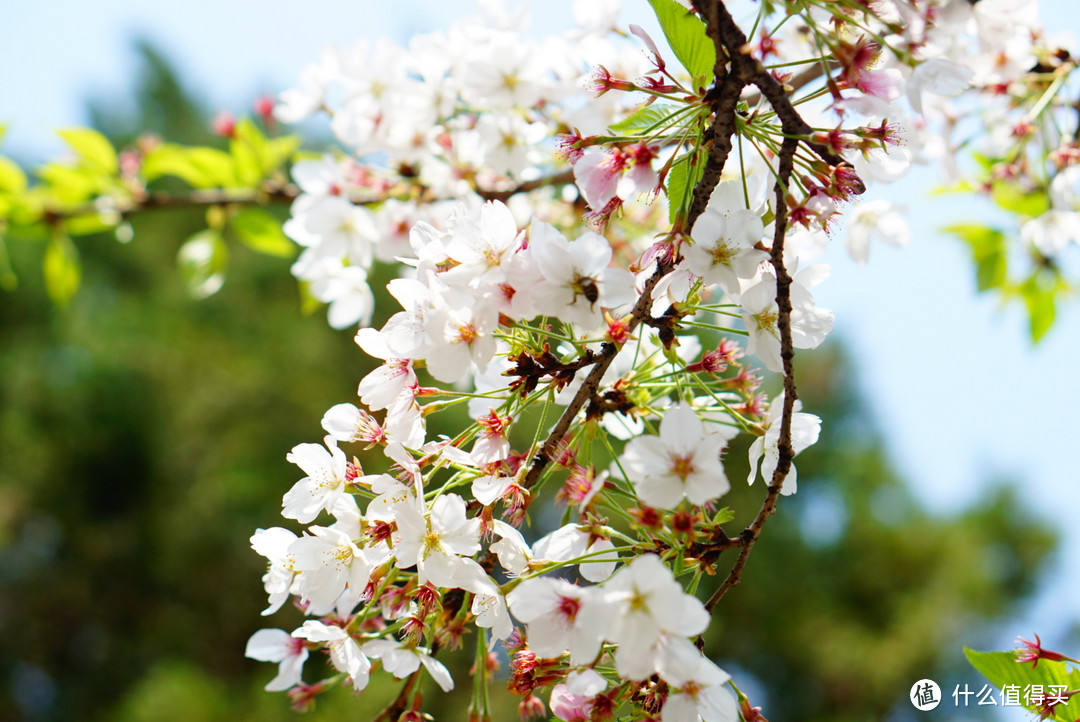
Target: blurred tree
[[143, 438]]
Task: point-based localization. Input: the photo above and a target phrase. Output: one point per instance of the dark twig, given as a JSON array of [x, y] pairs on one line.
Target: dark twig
[[269, 193], [787, 354], [746, 70]]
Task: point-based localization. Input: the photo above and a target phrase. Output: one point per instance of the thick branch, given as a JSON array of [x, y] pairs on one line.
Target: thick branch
[[602, 360], [750, 71]]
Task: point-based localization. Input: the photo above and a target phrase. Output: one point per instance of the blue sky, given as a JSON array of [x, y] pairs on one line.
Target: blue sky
[[962, 395]]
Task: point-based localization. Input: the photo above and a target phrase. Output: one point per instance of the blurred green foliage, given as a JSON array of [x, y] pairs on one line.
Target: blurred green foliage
[[142, 440]]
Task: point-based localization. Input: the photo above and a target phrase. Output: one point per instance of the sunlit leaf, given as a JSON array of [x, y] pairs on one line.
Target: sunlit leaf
[[198, 167], [644, 119], [250, 152], [61, 269], [12, 177], [1001, 668], [92, 148], [1039, 299], [87, 223], [988, 251], [70, 185], [282, 150], [686, 35], [1013, 199], [685, 174], [261, 232]]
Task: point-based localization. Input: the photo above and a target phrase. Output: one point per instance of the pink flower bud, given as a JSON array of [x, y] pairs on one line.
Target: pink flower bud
[[224, 125]]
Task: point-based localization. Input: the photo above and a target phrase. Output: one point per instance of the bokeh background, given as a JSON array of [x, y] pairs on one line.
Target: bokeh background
[[143, 434]]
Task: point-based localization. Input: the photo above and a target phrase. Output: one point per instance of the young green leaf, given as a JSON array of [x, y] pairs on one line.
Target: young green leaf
[[1041, 307], [1001, 668], [92, 148], [61, 268], [987, 251], [686, 35], [261, 232], [251, 153], [644, 120], [12, 178], [1031, 204], [198, 167], [684, 176]]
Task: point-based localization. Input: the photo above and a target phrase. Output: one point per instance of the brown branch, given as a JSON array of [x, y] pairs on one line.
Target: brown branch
[[750, 71], [557, 179], [787, 354], [269, 193], [602, 360], [735, 69]]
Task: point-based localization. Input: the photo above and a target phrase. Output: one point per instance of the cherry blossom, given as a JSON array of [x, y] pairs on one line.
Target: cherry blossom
[[683, 462], [323, 485], [277, 645]]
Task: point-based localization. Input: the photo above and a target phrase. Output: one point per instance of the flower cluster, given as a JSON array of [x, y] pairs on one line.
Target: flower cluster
[[591, 281]]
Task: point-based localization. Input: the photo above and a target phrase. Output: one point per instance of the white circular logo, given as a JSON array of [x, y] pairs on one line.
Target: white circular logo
[[925, 695]]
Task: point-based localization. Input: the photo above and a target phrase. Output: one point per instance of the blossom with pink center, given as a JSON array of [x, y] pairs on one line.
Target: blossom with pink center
[[761, 314], [702, 698], [401, 660], [274, 544], [616, 173], [648, 609], [577, 282], [380, 387], [440, 544], [328, 562], [805, 429], [345, 653], [560, 617], [277, 645], [347, 423], [683, 462]]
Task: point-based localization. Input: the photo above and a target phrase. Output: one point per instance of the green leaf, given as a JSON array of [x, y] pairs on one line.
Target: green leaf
[[686, 35], [261, 232], [1001, 668], [644, 120], [203, 259], [1040, 302], [88, 223], [12, 178], [69, 185], [1031, 204], [251, 152], [282, 150], [961, 186], [723, 515], [198, 167], [685, 174], [988, 251], [92, 148], [61, 269]]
